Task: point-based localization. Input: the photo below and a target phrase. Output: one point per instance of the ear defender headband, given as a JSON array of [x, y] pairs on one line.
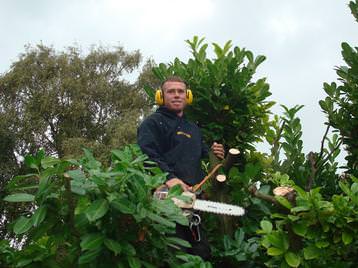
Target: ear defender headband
[[159, 98]]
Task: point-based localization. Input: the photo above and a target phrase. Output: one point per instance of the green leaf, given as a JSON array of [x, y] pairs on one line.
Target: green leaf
[[123, 205], [113, 245], [76, 174], [49, 162], [134, 262], [91, 241], [178, 241], [160, 220], [292, 259], [283, 201], [39, 216], [77, 188], [175, 191], [31, 162], [272, 251], [299, 228], [311, 252], [20, 197], [278, 240], [322, 244], [354, 188], [347, 238], [88, 256], [97, 209], [128, 249], [266, 226], [300, 209], [22, 225]]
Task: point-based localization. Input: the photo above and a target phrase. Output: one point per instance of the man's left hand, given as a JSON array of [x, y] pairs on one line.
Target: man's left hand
[[218, 150]]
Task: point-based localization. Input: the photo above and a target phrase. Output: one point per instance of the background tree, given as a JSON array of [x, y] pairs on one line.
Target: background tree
[[60, 100], [8, 167]]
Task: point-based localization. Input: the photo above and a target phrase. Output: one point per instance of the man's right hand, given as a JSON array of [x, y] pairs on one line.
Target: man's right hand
[[174, 181]]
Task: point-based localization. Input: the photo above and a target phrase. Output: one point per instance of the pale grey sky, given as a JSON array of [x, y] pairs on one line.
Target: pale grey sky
[[300, 38]]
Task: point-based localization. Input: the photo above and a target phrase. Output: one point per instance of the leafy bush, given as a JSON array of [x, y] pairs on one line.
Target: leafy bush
[[93, 216]]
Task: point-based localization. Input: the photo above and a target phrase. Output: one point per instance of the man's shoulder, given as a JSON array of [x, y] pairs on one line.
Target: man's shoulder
[[152, 120], [153, 117]]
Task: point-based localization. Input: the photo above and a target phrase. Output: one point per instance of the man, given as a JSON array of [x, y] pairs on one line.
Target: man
[[176, 144]]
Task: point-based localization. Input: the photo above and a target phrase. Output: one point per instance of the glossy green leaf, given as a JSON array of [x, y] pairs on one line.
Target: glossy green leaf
[[347, 237], [178, 241], [292, 259], [97, 209], [31, 162], [266, 226], [20, 197], [299, 228], [39, 216], [134, 262], [49, 162], [160, 220], [22, 225], [76, 174], [283, 201], [272, 251], [278, 240], [128, 249], [123, 205], [311, 252], [88, 256], [91, 241], [113, 246]]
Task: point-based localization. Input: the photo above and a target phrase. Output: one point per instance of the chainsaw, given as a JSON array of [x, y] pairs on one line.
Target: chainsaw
[[188, 200]]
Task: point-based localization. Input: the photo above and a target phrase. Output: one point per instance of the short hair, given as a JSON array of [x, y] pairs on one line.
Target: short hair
[[174, 78]]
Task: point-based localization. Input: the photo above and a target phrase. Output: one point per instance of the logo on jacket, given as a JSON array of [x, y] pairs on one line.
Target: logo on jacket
[[183, 133]]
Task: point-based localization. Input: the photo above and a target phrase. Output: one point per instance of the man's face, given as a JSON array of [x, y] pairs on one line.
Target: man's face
[[174, 96]]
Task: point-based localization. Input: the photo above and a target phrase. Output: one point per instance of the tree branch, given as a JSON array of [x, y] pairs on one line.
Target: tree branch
[[313, 162], [322, 143]]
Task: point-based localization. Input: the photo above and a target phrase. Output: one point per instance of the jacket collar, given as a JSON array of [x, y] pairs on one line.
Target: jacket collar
[[165, 111]]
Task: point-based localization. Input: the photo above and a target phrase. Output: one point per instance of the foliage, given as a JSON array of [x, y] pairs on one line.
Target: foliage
[[82, 213], [316, 232], [94, 216], [61, 100], [228, 105], [340, 105]]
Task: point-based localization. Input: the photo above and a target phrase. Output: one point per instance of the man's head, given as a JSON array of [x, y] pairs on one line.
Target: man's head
[[174, 93]]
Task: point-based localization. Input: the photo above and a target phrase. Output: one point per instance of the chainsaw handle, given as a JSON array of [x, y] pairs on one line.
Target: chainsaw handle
[[211, 173]]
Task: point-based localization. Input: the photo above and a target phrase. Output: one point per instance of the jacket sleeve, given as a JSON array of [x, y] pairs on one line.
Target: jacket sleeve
[[148, 137]]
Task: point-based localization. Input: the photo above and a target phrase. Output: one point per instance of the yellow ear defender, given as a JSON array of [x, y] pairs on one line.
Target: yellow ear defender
[[159, 98]]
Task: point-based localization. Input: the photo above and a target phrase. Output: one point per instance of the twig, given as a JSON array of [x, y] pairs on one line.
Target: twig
[[275, 143], [322, 143], [329, 155]]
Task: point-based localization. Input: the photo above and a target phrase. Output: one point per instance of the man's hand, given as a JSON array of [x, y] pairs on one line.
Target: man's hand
[[174, 181], [218, 150]]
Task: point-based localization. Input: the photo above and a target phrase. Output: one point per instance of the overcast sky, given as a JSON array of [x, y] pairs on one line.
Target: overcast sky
[[300, 38]]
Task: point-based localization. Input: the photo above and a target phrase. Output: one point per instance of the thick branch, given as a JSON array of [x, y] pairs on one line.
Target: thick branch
[[231, 159], [269, 198], [313, 164]]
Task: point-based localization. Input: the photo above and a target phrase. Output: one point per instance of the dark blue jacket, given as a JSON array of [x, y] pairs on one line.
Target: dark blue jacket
[[174, 143]]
